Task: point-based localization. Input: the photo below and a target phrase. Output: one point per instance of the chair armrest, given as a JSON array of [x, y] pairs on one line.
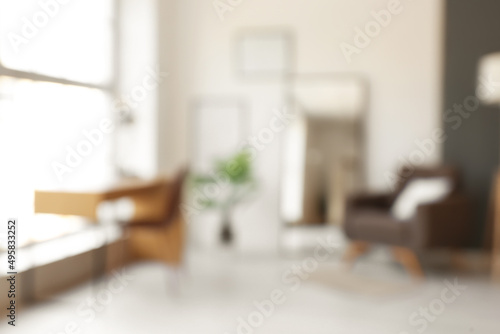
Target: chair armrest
[[445, 223]]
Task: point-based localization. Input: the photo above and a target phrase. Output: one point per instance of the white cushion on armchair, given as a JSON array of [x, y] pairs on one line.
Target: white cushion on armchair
[[417, 192]]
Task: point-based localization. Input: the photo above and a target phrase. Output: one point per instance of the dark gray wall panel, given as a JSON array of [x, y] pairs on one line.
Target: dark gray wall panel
[[472, 30]]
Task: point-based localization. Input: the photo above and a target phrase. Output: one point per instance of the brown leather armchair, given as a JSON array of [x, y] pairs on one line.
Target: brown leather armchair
[[445, 223]]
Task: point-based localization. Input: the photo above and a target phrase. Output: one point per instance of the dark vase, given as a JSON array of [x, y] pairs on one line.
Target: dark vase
[[226, 233]]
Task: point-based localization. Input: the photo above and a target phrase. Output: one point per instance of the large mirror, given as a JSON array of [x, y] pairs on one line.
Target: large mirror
[[324, 148]]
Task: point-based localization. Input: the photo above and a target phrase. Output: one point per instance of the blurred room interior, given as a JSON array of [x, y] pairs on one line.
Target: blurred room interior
[[250, 166]]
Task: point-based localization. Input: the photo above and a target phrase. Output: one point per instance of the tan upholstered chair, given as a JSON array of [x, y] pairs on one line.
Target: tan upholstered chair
[[162, 239]]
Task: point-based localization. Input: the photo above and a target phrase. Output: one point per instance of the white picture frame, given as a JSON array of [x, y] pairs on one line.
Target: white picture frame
[[264, 54]]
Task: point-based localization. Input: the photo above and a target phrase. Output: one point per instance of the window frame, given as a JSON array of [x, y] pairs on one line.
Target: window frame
[[111, 88]]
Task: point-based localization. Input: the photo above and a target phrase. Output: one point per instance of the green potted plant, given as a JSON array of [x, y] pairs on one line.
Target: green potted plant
[[232, 182]]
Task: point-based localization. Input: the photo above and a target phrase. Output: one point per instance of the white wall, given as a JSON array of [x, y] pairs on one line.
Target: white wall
[[138, 55], [402, 64]]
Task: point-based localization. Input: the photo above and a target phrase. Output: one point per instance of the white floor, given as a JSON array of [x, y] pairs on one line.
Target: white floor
[[217, 291]]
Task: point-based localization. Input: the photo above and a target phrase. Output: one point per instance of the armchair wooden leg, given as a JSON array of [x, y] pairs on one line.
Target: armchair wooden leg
[[409, 260], [355, 250]]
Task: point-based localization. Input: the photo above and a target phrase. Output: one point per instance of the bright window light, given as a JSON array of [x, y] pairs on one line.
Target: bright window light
[[71, 41], [43, 117], [38, 121]]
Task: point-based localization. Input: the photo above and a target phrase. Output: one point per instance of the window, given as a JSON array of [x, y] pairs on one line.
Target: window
[[70, 41], [56, 85]]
